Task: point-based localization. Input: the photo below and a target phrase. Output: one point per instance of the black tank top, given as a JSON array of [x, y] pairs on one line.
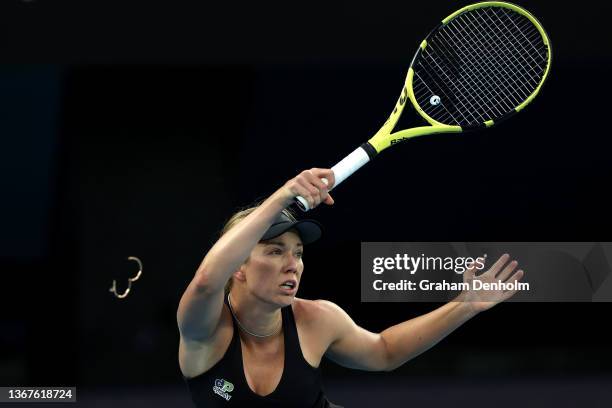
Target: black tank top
[[225, 385]]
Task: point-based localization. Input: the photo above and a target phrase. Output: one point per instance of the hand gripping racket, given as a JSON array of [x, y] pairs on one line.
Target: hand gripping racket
[[479, 66]]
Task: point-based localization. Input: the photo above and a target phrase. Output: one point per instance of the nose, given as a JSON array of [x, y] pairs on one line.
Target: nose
[[292, 263]]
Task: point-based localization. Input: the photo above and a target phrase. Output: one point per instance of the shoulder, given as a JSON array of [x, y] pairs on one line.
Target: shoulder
[[315, 308], [320, 313]]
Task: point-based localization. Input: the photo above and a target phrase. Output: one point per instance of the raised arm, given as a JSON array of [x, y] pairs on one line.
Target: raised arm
[[200, 307]]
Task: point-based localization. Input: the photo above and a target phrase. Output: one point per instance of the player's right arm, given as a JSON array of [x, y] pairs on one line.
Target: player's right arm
[[200, 307]]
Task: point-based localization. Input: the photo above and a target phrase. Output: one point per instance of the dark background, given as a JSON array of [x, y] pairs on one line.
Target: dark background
[[136, 129]]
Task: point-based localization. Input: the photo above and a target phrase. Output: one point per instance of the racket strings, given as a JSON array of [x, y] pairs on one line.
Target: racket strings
[[501, 59], [510, 51], [440, 71], [504, 55], [462, 86], [489, 71], [422, 90], [433, 73], [479, 66], [519, 35], [486, 94]]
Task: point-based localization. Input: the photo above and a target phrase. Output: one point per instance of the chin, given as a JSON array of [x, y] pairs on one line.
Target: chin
[[287, 300]]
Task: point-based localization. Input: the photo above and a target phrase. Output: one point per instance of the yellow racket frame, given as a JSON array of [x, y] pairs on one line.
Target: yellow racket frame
[[384, 138]]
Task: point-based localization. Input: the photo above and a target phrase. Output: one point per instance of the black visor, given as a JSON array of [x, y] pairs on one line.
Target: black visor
[[308, 230]]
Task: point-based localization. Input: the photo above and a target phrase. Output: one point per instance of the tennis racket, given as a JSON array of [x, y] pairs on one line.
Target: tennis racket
[[478, 67]]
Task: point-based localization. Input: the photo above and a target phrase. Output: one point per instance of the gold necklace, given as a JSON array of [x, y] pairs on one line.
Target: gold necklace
[[229, 302]]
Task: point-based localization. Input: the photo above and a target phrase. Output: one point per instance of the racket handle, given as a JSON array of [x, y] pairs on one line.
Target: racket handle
[[301, 201], [342, 171]]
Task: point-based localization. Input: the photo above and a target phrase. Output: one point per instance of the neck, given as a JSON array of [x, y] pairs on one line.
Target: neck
[[255, 318]]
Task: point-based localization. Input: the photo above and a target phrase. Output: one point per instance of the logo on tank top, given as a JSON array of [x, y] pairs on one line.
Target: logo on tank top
[[222, 388]]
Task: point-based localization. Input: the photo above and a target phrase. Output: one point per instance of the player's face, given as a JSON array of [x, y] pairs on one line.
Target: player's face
[[274, 269]]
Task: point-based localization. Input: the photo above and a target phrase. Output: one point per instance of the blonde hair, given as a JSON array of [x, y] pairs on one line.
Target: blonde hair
[[235, 219]]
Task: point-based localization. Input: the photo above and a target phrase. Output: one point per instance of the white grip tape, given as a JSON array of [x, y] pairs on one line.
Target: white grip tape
[[342, 171], [349, 165]]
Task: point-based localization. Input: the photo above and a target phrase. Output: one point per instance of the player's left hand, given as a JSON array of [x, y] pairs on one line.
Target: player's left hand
[[484, 299]]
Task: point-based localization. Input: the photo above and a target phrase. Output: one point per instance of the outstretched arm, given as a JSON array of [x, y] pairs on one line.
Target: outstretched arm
[[355, 347], [407, 340]]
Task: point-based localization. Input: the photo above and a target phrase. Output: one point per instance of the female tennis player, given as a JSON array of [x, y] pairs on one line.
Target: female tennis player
[[246, 340]]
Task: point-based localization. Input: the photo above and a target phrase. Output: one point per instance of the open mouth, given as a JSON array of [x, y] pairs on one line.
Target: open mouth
[[289, 285]]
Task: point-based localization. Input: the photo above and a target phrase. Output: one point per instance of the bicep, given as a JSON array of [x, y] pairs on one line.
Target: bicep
[[199, 311], [353, 346]]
